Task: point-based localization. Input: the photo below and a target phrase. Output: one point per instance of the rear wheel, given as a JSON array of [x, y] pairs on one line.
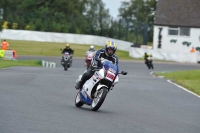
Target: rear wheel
[[78, 102], [99, 98]]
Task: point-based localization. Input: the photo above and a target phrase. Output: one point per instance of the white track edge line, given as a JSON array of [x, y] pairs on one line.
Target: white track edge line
[[183, 88], [177, 85]]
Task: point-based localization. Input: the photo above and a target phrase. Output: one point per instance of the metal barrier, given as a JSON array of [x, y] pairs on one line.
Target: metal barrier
[[8, 55]]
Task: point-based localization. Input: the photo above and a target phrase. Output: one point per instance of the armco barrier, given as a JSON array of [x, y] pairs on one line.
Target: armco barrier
[[62, 38], [8, 55], [165, 55], [158, 54]]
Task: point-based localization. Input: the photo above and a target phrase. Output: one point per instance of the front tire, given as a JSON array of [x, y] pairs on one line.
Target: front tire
[[65, 67], [151, 65], [148, 65], [99, 99], [78, 102]]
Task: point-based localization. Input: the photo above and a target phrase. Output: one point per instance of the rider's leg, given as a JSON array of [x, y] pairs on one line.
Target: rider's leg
[[87, 75]]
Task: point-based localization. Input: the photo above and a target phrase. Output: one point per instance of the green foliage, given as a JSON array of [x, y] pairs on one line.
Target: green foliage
[[173, 40], [186, 43], [136, 14], [80, 17], [10, 63], [14, 25], [198, 49]]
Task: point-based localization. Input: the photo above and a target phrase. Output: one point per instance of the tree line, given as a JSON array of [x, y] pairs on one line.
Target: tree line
[[134, 22]]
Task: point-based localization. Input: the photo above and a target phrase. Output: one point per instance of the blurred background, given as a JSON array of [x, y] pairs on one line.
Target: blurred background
[[130, 20]]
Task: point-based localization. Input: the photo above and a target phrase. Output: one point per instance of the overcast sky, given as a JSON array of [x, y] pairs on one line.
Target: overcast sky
[[113, 6]]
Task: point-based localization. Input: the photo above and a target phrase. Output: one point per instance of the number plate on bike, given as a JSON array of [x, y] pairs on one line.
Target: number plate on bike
[[110, 75]]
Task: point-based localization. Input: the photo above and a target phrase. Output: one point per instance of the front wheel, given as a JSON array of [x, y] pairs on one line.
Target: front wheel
[[65, 67], [78, 102], [99, 98], [148, 65], [152, 66]]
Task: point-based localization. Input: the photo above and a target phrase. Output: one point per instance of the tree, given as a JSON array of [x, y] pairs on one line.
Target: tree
[[74, 16], [137, 15], [97, 16]]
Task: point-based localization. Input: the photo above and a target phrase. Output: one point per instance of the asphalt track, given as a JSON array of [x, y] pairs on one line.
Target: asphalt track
[[41, 100]]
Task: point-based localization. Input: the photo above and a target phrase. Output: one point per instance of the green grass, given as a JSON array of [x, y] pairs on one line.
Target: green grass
[[189, 79], [33, 48], [10, 63], [53, 49]]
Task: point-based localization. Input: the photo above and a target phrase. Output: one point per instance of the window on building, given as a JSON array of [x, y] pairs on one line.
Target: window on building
[[184, 31], [173, 31]]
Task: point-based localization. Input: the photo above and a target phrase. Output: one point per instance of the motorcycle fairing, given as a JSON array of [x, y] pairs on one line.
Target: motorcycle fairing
[[66, 55], [90, 55], [88, 86], [85, 97], [110, 66]]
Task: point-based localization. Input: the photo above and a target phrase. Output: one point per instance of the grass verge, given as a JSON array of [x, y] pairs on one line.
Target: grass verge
[[53, 49], [189, 79], [10, 63]]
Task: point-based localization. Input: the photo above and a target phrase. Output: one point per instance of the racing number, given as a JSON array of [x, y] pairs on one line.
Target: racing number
[[110, 76]]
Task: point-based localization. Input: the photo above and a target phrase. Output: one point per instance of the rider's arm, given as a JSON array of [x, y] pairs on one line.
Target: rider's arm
[[96, 56], [63, 51], [117, 62], [70, 51]]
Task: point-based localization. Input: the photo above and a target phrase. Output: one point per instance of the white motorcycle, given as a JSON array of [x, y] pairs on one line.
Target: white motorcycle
[[94, 91], [66, 60]]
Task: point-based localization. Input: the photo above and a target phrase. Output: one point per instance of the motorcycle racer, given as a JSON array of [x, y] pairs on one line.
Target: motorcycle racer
[[89, 55], [107, 53]]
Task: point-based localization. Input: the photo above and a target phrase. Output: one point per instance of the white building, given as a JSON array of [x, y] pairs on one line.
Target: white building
[[177, 25], [176, 32]]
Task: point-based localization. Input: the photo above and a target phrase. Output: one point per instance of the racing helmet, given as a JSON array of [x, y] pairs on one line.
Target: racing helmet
[[110, 45], [67, 45], [91, 48]]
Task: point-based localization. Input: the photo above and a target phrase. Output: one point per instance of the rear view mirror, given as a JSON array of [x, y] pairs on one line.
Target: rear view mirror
[[124, 73]]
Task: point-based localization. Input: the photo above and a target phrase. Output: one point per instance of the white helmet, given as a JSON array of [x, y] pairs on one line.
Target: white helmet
[[91, 48]]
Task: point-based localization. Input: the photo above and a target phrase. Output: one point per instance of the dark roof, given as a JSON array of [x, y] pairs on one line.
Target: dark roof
[[184, 13]]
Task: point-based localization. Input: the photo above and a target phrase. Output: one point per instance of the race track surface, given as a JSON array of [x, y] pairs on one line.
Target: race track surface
[[41, 100]]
